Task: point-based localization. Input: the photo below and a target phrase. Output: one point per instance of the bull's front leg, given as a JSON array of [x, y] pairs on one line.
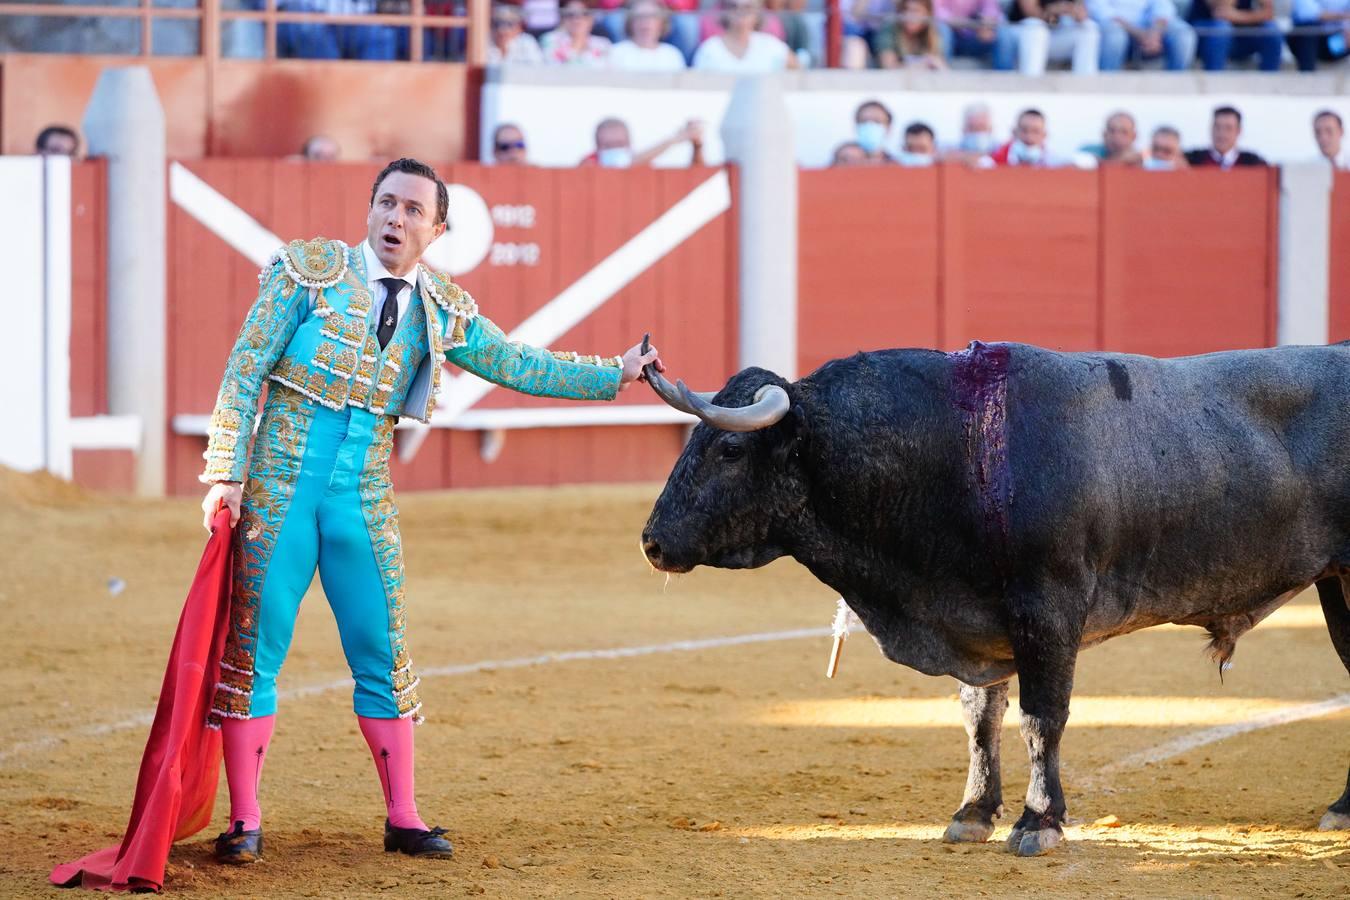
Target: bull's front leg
[[982, 708], [1045, 650]]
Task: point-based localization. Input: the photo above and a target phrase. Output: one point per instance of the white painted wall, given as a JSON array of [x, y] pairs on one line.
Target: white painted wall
[[23, 439], [559, 110]]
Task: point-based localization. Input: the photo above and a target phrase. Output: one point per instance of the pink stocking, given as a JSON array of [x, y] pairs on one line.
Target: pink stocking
[[245, 742], [391, 744]]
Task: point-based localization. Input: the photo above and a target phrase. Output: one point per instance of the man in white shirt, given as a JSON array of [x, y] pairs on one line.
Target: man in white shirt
[[1329, 132], [643, 51], [1147, 28], [741, 49]]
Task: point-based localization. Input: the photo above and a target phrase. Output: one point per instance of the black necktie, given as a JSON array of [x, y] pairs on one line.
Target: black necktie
[[389, 312]]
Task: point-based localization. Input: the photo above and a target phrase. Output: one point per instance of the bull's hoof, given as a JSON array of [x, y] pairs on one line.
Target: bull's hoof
[[959, 832], [1334, 821], [1034, 843]]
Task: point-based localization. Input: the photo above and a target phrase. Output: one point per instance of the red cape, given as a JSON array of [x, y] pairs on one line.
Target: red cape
[[176, 788]]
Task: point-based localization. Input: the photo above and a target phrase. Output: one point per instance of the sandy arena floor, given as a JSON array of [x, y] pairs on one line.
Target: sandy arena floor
[[727, 771]]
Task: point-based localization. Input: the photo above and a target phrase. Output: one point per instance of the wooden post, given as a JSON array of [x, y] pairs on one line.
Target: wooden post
[[479, 12]]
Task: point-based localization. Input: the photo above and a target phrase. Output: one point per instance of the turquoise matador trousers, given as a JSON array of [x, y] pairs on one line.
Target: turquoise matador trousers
[[318, 497]]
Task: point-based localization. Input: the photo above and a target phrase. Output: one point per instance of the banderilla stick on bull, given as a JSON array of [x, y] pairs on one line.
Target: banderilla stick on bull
[[646, 345]]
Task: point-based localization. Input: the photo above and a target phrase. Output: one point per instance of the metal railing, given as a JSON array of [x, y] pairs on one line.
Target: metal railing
[[212, 17]]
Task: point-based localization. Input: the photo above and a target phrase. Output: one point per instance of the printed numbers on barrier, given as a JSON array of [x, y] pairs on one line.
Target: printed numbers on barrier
[[505, 215], [509, 254]]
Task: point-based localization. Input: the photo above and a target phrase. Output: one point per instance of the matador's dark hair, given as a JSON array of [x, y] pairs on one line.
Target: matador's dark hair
[[416, 167]]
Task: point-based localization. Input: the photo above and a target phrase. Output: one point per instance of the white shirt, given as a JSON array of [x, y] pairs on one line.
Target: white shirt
[[764, 53], [375, 270], [630, 57], [1225, 160]]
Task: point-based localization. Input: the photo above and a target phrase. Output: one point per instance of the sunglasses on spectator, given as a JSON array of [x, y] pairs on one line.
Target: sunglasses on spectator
[[505, 23], [576, 13], [503, 146], [741, 7]]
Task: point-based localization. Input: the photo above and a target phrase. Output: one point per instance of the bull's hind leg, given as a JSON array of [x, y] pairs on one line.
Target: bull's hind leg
[[983, 709], [1332, 593], [1045, 648]]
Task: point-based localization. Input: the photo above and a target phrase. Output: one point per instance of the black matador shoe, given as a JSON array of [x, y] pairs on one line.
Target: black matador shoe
[[239, 847], [416, 842]]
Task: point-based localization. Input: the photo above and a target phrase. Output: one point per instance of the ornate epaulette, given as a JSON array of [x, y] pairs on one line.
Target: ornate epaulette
[[319, 263], [449, 296], [454, 300]]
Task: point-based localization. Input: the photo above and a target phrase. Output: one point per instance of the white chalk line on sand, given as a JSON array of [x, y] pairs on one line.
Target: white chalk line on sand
[[1152, 755]]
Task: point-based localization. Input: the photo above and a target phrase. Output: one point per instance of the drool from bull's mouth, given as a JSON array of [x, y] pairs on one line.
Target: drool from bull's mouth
[[991, 512]]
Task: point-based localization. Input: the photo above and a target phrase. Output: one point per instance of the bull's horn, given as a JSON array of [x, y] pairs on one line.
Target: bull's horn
[[771, 404], [667, 391]]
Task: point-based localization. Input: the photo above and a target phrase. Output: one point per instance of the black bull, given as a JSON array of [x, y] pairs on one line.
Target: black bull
[[991, 512]]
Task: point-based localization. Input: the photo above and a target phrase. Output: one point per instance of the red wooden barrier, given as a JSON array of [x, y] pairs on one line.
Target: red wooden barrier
[[1339, 259], [576, 219], [1120, 259]]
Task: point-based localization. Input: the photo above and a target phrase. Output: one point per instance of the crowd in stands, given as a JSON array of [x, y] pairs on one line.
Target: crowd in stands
[[1028, 144], [1085, 36], [918, 145]]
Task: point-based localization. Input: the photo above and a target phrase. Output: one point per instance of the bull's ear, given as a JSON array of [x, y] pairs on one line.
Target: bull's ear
[[788, 436]]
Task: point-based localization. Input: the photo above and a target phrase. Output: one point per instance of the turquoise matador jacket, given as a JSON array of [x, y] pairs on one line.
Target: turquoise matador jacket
[[317, 492], [309, 330]]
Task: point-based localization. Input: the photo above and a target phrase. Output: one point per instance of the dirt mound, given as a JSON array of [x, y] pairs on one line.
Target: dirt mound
[[40, 489]]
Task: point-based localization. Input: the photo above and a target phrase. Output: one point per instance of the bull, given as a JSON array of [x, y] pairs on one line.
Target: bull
[[991, 512]]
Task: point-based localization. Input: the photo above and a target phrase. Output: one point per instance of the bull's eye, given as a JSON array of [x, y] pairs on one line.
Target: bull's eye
[[732, 450]]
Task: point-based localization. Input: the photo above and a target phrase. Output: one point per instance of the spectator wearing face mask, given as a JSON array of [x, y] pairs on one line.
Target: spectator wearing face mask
[[977, 135], [920, 146], [508, 145], [614, 145], [872, 126], [1223, 151], [647, 23], [1118, 137], [1329, 132], [1164, 150], [1027, 147]]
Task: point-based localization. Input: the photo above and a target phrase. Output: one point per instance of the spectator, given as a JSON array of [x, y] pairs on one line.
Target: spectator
[[872, 126], [320, 148], [862, 19], [508, 145], [643, 51], [614, 146], [1143, 28], [850, 153], [1164, 151], [1223, 150], [912, 40], [510, 44], [1214, 21], [315, 40], [1329, 35], [58, 140], [991, 37], [572, 43], [1055, 31], [977, 133], [920, 147], [1329, 131], [1118, 139], [1027, 147], [795, 33], [741, 48]]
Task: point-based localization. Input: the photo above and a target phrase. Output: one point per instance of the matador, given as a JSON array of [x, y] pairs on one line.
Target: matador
[[347, 340]]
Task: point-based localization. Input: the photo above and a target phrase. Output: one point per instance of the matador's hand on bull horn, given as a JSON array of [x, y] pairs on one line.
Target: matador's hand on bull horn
[[637, 361]]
